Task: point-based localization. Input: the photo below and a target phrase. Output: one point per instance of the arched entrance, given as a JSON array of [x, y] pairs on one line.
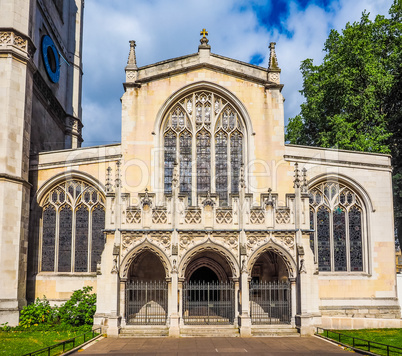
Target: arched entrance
[[270, 292], [146, 291], [208, 290]]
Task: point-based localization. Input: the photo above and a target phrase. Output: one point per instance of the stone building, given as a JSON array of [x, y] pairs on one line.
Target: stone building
[[202, 216], [40, 110]]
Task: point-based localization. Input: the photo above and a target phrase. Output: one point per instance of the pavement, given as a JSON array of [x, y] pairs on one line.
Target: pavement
[[257, 346]]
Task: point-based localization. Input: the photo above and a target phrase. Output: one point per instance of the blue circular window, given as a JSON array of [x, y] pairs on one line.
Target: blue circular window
[[50, 59]]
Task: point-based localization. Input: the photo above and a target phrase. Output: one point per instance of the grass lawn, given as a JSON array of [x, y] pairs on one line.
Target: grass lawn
[[21, 342], [391, 337]]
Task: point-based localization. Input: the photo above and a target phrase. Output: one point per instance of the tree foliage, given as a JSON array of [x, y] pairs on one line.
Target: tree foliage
[[353, 99]]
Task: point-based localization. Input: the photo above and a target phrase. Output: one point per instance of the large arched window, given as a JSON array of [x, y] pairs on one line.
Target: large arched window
[[72, 223], [336, 216], [204, 134]]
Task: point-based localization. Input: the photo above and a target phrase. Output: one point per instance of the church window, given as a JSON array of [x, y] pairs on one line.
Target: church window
[[170, 158], [65, 235], [72, 223], [203, 161], [336, 220], [48, 237], [185, 164], [204, 133]]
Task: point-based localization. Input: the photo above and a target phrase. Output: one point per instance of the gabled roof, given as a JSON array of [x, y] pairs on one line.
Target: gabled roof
[[135, 76]]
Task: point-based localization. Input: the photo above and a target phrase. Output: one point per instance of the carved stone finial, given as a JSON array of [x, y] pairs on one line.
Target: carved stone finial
[[304, 185], [132, 60], [108, 185], [269, 201], [273, 67], [273, 61], [117, 180], [146, 201], [242, 180], [204, 40], [131, 68], [297, 177], [175, 178], [208, 200]]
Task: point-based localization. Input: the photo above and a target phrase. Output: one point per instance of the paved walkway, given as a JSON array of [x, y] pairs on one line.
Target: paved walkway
[[256, 346]]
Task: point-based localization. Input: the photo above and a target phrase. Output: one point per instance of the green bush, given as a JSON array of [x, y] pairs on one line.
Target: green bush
[[77, 311], [39, 312], [80, 309]]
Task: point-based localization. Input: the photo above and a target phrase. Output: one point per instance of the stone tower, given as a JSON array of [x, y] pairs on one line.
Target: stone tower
[[40, 110]]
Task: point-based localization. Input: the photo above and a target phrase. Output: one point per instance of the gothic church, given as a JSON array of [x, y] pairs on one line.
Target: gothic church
[[201, 216]]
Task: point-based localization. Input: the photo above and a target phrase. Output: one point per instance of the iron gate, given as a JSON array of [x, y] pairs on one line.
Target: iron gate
[[208, 303], [270, 303], [146, 302]]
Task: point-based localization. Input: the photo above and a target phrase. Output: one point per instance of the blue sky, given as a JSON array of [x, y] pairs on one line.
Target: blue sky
[[163, 29]]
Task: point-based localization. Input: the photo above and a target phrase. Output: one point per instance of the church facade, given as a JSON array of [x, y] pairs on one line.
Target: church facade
[[202, 215]]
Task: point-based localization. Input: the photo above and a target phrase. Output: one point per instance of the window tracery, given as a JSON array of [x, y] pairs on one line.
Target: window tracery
[[72, 222], [205, 129], [336, 215]]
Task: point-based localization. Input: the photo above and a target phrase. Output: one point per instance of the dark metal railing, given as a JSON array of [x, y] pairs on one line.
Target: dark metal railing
[[65, 345], [208, 303], [358, 343], [146, 302], [270, 303]]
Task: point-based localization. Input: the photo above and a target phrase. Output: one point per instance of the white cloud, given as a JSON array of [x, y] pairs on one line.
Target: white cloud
[[166, 29]]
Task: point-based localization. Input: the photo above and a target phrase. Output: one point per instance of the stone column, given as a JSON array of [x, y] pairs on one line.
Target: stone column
[[245, 320], [123, 302], [174, 329], [180, 300], [293, 296], [236, 301]]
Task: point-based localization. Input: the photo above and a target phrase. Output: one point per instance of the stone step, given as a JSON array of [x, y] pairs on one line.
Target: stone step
[[144, 331], [274, 331], [209, 331]]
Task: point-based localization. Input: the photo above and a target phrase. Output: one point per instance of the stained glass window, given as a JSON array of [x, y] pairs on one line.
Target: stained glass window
[[339, 239], [236, 146], [170, 157], [312, 228], [323, 240], [338, 214], [203, 161], [355, 233], [65, 235], [48, 238], [69, 205], [98, 241], [185, 164], [221, 169], [81, 239], [205, 121]]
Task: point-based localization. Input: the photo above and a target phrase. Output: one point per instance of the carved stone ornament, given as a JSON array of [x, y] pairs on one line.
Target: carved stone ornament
[[174, 267], [244, 265], [269, 201], [297, 176], [146, 201], [115, 268], [302, 268], [304, 187], [98, 268], [208, 201]]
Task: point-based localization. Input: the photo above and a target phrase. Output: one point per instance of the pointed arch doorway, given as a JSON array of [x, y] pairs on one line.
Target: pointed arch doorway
[[270, 290], [208, 291], [146, 291]]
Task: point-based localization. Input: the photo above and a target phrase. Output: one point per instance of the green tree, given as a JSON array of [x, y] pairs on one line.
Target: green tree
[[353, 99]]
